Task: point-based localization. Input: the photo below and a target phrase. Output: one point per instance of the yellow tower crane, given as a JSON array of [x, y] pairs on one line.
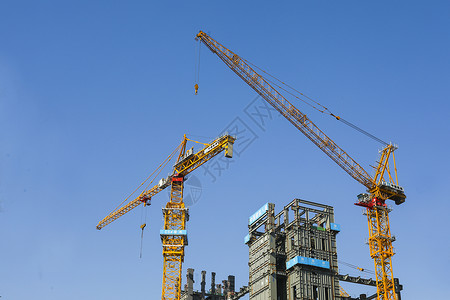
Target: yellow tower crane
[[176, 214], [383, 186]]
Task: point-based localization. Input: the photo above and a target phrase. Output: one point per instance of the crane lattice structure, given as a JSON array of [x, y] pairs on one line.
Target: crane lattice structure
[[379, 189], [176, 214]]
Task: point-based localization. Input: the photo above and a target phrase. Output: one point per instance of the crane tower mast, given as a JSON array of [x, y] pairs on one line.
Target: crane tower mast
[[380, 239], [176, 214]]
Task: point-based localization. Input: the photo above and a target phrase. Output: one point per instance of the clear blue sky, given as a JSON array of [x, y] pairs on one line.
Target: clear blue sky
[[95, 94]]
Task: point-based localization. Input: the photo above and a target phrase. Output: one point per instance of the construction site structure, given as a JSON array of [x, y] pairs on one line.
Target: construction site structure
[[368, 282], [223, 291], [382, 186], [176, 214], [293, 254]]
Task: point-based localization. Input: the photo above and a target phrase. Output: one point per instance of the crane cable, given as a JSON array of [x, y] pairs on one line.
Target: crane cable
[[144, 211], [363, 131], [142, 237], [197, 69], [323, 109], [160, 167], [300, 93], [166, 162], [356, 267]]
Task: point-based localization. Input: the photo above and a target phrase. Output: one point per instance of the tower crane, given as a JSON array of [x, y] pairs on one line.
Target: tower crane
[[382, 186], [176, 214]]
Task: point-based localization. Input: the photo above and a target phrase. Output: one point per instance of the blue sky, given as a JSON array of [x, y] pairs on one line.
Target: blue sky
[[95, 94]]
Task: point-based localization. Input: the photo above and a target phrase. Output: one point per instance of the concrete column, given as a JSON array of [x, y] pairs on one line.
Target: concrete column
[[231, 283], [190, 284], [203, 284], [225, 287], [213, 282]]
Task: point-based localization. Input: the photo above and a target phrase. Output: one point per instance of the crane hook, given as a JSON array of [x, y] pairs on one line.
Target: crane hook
[[196, 88], [142, 238]]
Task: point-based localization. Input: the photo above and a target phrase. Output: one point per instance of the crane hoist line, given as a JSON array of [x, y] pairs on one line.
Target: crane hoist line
[[380, 187], [310, 102], [176, 214]]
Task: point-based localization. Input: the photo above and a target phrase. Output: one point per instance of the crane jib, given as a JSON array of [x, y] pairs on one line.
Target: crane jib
[[289, 111], [380, 240]]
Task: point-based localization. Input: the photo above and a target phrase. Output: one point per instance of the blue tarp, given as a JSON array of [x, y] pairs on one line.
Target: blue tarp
[[247, 239], [307, 261], [335, 227]]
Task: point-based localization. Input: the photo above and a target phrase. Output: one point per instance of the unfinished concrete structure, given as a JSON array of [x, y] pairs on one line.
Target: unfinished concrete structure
[[224, 291], [292, 254]]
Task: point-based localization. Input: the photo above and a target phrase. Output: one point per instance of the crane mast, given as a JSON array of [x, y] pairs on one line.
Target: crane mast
[[380, 240], [176, 214]]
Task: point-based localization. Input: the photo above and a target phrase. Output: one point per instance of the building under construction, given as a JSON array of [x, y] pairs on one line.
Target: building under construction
[[292, 256], [223, 291]]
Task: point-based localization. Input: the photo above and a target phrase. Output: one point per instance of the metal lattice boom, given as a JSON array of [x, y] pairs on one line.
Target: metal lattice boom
[[174, 237], [380, 240], [288, 110]]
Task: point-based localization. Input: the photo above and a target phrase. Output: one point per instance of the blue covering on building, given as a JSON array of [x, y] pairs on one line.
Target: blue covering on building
[[247, 239], [291, 263], [258, 214], [307, 261], [335, 227]]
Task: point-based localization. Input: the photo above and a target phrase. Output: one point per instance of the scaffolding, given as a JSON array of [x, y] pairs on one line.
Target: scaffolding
[[292, 254]]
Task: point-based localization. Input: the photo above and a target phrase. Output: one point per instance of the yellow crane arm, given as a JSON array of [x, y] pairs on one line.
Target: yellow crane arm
[[176, 213], [343, 293], [190, 161], [142, 198], [187, 162], [289, 111], [380, 240]]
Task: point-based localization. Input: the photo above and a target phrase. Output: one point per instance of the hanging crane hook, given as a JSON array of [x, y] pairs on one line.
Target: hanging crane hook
[[197, 69], [142, 239]]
